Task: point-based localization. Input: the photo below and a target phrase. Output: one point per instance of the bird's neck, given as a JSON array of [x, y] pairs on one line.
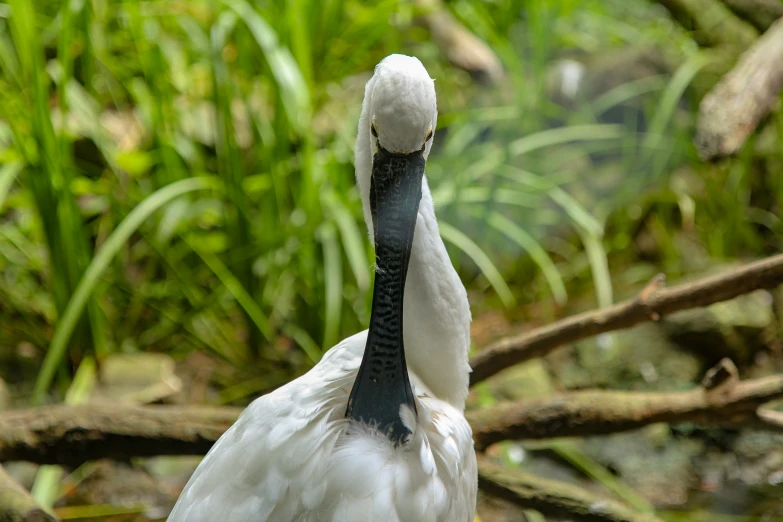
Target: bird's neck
[[436, 313], [382, 387]]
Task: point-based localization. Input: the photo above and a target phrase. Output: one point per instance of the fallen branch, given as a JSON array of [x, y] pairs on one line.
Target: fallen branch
[[764, 274], [461, 47], [735, 106], [772, 418], [71, 435], [760, 13], [722, 400], [711, 22], [16, 504], [553, 498]]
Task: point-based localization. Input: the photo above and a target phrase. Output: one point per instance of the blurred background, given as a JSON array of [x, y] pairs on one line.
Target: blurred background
[[179, 222]]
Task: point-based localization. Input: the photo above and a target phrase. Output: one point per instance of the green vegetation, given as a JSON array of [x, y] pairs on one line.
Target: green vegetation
[[176, 176], [109, 105]]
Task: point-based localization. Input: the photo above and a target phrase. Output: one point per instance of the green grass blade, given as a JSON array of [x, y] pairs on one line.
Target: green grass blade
[[98, 265], [231, 169], [289, 79], [352, 239], [83, 383], [46, 488], [671, 97], [304, 340], [599, 266], [561, 135], [8, 174], [576, 212], [626, 91], [514, 232], [333, 283], [570, 452], [472, 250], [235, 288], [297, 14], [591, 232], [9, 64], [22, 25]]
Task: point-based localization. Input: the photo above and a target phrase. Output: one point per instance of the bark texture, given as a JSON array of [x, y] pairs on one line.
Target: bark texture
[[732, 110], [760, 13], [553, 498], [722, 400], [652, 303]]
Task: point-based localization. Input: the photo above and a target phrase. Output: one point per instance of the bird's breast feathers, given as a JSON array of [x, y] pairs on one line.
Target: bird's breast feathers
[[292, 456]]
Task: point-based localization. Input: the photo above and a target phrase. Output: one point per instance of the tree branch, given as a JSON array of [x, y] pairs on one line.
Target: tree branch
[[71, 435], [764, 274], [461, 47], [734, 107], [712, 23], [552, 498], [720, 401], [16, 504], [760, 13]]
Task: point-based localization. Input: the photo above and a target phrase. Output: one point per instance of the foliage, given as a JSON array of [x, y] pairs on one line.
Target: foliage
[[109, 106]]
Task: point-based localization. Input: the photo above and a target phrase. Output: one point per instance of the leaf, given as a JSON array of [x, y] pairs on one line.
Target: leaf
[[333, 283], [352, 241], [671, 97], [289, 79], [7, 176], [46, 489], [599, 266], [472, 250], [98, 265], [570, 452], [550, 137], [514, 232], [234, 287], [577, 212]]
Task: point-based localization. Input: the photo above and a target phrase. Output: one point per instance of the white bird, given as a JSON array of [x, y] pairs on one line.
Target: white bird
[[376, 430]]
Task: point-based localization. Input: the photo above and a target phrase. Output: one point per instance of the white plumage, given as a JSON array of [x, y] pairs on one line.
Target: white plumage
[[293, 455]]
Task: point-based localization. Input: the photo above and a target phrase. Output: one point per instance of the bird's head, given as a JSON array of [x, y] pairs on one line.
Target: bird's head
[[403, 111], [396, 131]]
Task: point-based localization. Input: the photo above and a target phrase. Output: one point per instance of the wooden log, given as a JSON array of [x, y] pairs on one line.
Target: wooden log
[[553, 498], [722, 400], [761, 13], [712, 23], [652, 303], [732, 110]]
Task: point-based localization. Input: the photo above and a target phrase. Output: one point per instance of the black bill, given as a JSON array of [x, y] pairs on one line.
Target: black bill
[[382, 384]]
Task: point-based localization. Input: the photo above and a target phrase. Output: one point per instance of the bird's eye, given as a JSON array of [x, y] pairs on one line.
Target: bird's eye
[[429, 136], [374, 130]]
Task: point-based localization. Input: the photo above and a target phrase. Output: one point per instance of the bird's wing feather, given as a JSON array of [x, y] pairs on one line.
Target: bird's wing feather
[[451, 440], [270, 465]]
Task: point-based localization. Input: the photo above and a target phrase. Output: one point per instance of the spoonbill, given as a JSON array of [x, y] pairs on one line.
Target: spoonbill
[[376, 430]]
